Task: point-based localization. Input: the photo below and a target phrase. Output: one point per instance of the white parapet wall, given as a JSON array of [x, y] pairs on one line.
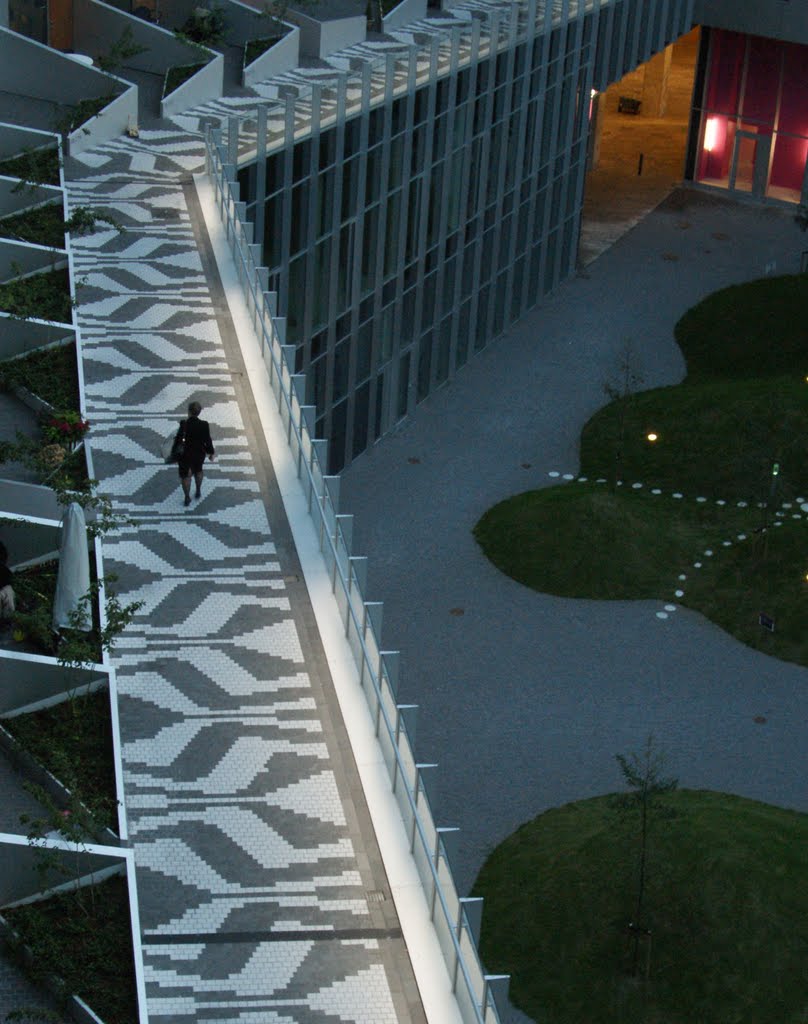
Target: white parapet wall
[[19, 337], [206, 84], [35, 681], [282, 56], [15, 140], [20, 259], [321, 38], [14, 199], [96, 26], [403, 13], [50, 82]]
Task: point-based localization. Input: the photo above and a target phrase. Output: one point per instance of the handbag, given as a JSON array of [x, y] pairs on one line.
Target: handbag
[[173, 448]]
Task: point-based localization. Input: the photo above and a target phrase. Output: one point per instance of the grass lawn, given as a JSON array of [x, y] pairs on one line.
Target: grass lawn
[[726, 903], [742, 409]]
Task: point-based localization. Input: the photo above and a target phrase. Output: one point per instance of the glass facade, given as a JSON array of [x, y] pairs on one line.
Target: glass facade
[[754, 116], [403, 237]]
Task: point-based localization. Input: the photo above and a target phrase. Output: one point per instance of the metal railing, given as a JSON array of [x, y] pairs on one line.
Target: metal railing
[[456, 920]]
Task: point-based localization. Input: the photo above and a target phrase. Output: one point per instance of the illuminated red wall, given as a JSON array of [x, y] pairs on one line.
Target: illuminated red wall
[[747, 78]]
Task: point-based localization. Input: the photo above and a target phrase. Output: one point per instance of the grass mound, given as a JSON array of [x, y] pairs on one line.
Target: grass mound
[[716, 438], [583, 540], [756, 329], [733, 432], [726, 904]]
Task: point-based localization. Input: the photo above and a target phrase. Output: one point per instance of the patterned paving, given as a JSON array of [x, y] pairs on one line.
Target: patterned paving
[[253, 889]]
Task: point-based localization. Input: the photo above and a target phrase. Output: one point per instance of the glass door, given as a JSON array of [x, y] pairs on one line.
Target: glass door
[[742, 170], [749, 170]]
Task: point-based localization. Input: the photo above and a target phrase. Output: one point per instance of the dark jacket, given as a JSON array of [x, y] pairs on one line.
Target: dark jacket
[[198, 443]]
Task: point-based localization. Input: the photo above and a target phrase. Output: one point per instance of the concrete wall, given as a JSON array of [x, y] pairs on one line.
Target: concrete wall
[[48, 81], [27, 197], [29, 540], [776, 19], [282, 56], [404, 12], [32, 500], [19, 337], [19, 862], [320, 38], [20, 258], [33, 681], [97, 25], [206, 84], [29, 69], [111, 122], [15, 140]]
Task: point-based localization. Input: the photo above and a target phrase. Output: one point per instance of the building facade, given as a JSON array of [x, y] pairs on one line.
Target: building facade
[[749, 128], [418, 203]]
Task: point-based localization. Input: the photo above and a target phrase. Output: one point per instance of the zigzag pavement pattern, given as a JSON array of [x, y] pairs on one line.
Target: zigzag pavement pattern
[[253, 903]]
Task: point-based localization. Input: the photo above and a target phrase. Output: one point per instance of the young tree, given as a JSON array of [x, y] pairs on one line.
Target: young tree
[[642, 773], [620, 388]]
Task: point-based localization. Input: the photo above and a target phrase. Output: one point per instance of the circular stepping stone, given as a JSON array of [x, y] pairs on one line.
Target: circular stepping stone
[[662, 615]]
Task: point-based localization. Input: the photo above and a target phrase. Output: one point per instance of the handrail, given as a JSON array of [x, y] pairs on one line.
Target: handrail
[[471, 986]]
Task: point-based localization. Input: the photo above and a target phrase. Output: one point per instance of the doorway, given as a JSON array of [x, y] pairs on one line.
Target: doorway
[[749, 169]]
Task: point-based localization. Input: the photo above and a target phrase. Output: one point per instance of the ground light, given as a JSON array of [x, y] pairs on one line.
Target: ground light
[[651, 437]]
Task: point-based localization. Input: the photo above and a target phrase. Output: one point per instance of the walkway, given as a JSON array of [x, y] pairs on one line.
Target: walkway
[[525, 698], [262, 894]]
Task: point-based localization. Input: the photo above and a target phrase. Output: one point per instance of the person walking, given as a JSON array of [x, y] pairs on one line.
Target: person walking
[[195, 435]]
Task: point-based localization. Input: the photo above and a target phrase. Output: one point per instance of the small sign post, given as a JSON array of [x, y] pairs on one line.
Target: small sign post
[[766, 621]]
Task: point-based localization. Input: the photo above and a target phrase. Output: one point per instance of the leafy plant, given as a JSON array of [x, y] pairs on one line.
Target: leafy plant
[[44, 225], [73, 116], [642, 773], [33, 167], [205, 26], [44, 296], [73, 740], [85, 943], [84, 221], [79, 648], [50, 373], [122, 50], [65, 427], [623, 386], [255, 47], [179, 74]]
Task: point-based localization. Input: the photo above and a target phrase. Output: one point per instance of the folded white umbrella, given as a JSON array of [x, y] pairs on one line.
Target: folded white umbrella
[[73, 579]]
